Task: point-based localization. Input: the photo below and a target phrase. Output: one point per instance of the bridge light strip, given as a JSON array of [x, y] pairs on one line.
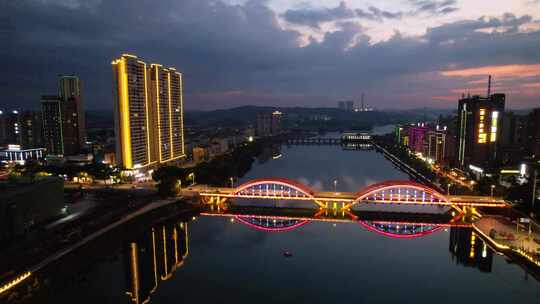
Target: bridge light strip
[[15, 282], [281, 229]]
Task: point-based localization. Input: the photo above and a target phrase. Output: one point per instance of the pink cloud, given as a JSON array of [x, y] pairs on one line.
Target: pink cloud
[[499, 71]]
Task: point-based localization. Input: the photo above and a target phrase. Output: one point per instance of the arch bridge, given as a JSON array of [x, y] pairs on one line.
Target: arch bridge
[[394, 192]]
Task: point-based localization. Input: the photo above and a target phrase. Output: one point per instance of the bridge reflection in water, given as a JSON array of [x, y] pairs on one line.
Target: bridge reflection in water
[[157, 254], [465, 246], [154, 257]]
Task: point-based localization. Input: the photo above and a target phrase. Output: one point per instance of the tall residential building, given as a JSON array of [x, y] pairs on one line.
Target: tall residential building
[[148, 113], [31, 129], [63, 118], [51, 109], [479, 120], [275, 127], [70, 93], [264, 121], [269, 124], [436, 145], [166, 95]]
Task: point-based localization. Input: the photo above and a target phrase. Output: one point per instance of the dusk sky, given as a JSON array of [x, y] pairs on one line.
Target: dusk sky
[[401, 53]]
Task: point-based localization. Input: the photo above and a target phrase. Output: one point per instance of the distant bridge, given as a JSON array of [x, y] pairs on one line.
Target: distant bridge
[[315, 141], [387, 193], [348, 138]]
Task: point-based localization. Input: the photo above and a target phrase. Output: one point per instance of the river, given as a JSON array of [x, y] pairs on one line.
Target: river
[[218, 259]]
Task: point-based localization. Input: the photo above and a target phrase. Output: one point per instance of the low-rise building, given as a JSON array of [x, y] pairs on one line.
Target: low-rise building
[[25, 204], [16, 154], [200, 155]]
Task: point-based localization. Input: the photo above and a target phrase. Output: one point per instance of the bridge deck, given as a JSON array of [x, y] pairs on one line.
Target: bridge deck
[[349, 197]]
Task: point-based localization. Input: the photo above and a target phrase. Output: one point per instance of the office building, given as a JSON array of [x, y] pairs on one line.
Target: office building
[[479, 121], [148, 113]]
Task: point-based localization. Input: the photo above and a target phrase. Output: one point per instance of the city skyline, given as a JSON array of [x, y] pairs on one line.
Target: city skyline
[[402, 54]]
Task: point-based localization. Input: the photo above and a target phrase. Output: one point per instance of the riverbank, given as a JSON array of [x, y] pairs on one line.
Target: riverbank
[[520, 246], [12, 281]]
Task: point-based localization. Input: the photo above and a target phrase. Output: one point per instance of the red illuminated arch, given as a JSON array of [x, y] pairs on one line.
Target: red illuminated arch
[[397, 184], [244, 220], [301, 188], [371, 226]]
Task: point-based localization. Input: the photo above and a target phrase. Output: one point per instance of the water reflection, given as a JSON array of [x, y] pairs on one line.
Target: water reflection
[[270, 152], [154, 257], [469, 250], [394, 224]]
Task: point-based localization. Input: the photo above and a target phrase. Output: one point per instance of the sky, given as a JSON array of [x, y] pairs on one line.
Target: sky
[[402, 54]]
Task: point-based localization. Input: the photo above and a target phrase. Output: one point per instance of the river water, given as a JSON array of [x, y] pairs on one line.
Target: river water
[[220, 260]]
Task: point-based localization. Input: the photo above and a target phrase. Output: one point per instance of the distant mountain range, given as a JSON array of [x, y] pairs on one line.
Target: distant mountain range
[[248, 114]]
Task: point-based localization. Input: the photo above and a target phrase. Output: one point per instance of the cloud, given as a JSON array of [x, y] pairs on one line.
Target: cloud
[[434, 7], [377, 14], [240, 54], [314, 17], [503, 71]]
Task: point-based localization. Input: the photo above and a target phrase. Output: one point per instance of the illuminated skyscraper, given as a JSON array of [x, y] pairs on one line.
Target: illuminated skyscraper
[[148, 113], [479, 121]]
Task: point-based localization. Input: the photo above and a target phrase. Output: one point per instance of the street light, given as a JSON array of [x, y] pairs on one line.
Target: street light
[[448, 188], [492, 188], [335, 185], [232, 181], [192, 177]]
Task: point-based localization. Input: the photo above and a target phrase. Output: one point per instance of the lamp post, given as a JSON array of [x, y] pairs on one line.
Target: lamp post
[[448, 188], [535, 173], [232, 181], [335, 185], [492, 188]]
